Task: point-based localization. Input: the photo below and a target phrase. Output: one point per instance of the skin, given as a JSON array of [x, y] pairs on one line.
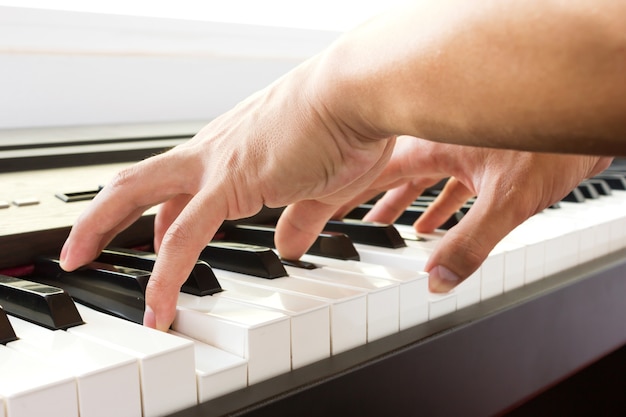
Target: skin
[[511, 79], [533, 181]]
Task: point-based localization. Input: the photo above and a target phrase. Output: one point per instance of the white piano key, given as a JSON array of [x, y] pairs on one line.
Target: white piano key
[[525, 234], [421, 245], [217, 372], [167, 365], [413, 285], [514, 264], [310, 318], [101, 373], [32, 388], [259, 335], [348, 306], [492, 274], [602, 220], [2, 404], [558, 237], [383, 297], [467, 292], [410, 257], [422, 241], [617, 239], [441, 304]]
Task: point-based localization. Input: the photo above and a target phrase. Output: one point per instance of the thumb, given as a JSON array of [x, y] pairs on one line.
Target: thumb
[[465, 247]]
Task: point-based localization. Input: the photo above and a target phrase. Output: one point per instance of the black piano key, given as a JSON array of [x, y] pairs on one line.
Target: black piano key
[[201, 281], [7, 334], [359, 212], [299, 264], [574, 196], [261, 236], [588, 190], [115, 290], [251, 234], [600, 185], [328, 244], [615, 181], [375, 234], [334, 245], [425, 203], [244, 258], [411, 214], [45, 305]]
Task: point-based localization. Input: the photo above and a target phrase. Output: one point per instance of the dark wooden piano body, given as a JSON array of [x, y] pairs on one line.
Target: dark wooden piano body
[[483, 360]]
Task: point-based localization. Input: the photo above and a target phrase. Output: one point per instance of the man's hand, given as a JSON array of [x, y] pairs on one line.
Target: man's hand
[[279, 146], [510, 186]]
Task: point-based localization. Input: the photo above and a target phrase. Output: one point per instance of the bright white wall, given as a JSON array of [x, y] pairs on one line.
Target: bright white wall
[[143, 61], [335, 15]]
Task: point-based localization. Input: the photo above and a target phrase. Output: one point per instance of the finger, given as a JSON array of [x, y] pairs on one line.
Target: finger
[[180, 248], [299, 225], [391, 206], [119, 204], [452, 197], [464, 247], [82, 247], [166, 215]]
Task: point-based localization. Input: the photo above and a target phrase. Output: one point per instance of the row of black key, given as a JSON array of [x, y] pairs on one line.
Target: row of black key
[[116, 282]]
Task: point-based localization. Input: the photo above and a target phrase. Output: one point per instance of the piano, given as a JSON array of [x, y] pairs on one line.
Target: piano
[[543, 307]]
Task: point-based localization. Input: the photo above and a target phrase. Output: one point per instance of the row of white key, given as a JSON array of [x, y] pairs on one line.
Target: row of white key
[[216, 320], [330, 310], [109, 366], [549, 242], [487, 282]]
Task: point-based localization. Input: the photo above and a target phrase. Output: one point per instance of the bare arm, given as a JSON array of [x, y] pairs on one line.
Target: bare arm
[[522, 74], [532, 75]]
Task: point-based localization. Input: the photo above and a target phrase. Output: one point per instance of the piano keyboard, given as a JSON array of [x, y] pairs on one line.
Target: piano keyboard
[[250, 330]]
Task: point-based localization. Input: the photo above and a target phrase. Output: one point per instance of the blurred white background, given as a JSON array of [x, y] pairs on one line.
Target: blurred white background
[[337, 15], [78, 62]]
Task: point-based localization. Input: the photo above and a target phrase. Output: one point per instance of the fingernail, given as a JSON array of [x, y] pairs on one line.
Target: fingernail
[[63, 255], [441, 279], [149, 320]]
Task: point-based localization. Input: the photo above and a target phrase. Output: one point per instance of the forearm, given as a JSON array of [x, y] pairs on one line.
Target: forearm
[[532, 75]]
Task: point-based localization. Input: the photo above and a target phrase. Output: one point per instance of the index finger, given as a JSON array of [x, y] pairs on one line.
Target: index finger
[[130, 193], [180, 248]]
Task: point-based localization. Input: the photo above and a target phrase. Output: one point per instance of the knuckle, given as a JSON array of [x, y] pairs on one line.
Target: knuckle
[[177, 237], [123, 178], [468, 252]]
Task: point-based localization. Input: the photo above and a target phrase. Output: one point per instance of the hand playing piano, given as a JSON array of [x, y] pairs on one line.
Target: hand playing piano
[[277, 147], [322, 133], [510, 186]]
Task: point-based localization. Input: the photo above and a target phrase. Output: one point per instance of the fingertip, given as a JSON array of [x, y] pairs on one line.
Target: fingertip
[[161, 322], [298, 227], [161, 318], [67, 258], [149, 319], [442, 279], [292, 243], [63, 256]]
